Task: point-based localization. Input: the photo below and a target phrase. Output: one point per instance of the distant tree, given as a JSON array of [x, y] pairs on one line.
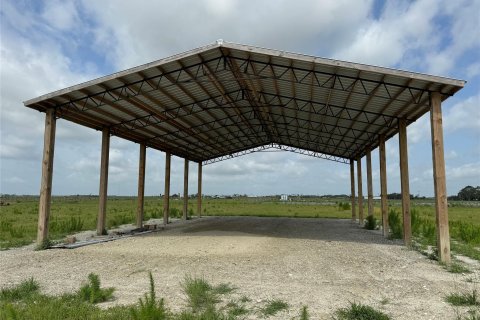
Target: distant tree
[[396, 196], [469, 193]]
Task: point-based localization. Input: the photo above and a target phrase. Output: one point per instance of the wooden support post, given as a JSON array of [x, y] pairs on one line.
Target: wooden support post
[[404, 181], [352, 188], [185, 191], [383, 185], [141, 184], [369, 183], [102, 194], [166, 196], [439, 180], [199, 193], [46, 180], [360, 191]]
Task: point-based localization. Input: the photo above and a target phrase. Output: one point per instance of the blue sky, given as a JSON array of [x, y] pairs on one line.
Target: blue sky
[[48, 45]]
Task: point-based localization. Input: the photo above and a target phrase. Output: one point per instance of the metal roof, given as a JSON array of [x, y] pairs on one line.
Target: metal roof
[[227, 99]]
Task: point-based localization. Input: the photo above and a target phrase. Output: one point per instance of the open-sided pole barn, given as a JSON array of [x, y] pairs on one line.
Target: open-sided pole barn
[[225, 100]]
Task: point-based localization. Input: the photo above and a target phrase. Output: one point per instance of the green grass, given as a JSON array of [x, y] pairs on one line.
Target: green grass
[[92, 291], [357, 311], [371, 223], [200, 294], [149, 307], [70, 214], [456, 267], [273, 307], [463, 298], [25, 301], [24, 290], [304, 313]]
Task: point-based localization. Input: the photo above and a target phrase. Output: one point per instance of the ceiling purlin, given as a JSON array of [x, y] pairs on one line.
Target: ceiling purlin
[[221, 89]]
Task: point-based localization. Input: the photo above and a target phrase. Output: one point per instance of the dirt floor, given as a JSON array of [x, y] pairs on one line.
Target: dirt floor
[[321, 263]]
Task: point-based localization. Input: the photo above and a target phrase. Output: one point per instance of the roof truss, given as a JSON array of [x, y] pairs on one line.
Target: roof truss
[[226, 100]]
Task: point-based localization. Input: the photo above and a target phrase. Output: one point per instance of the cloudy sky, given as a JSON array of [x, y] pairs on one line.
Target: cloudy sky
[[48, 45]]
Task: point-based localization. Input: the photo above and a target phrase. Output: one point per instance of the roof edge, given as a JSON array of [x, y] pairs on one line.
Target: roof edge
[[346, 64], [125, 72]]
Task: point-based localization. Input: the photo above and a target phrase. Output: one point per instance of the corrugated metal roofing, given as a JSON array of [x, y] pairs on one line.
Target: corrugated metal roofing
[[223, 99]]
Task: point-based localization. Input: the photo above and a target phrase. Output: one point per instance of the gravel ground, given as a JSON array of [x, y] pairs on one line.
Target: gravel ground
[[321, 263]]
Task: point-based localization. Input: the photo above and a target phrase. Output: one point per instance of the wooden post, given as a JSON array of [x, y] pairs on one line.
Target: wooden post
[[185, 191], [439, 180], [46, 180], [166, 196], [369, 183], [383, 186], [141, 184], [360, 191], [352, 188], [199, 193], [404, 181], [102, 194]]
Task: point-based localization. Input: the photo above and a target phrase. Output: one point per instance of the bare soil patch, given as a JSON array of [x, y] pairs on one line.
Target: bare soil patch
[[321, 263]]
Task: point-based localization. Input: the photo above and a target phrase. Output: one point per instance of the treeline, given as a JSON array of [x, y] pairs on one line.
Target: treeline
[[468, 193]]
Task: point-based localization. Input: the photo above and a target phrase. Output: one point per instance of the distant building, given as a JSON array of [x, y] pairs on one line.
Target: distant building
[[284, 197]]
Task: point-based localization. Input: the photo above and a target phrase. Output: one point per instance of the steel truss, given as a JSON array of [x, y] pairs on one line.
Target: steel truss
[[277, 147], [250, 114]]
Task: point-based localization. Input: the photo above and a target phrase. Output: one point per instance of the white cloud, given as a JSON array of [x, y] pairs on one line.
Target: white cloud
[[403, 26], [61, 15], [306, 26], [469, 171], [463, 115]]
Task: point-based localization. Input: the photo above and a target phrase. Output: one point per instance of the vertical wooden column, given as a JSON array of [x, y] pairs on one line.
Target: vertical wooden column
[[369, 183], [166, 196], [439, 180], [141, 184], [352, 188], [360, 191], [46, 180], [199, 193], [383, 185], [404, 180], [102, 194], [185, 191]]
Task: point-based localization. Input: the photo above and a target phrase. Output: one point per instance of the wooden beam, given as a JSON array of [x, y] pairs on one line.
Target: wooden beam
[[439, 179], [141, 184], [383, 185], [102, 194], [404, 181], [360, 191], [166, 196], [352, 188], [199, 193], [46, 180], [185, 191], [369, 183]]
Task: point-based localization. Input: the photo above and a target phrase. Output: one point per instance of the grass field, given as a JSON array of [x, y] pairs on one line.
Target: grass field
[[18, 219]]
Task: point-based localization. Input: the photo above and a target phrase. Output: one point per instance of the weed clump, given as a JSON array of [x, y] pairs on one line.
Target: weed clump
[[200, 293], [395, 223], [371, 223], [304, 313], [273, 307], [357, 311], [456, 267], [92, 292], [463, 299], [24, 290], [343, 206], [175, 213], [149, 307]]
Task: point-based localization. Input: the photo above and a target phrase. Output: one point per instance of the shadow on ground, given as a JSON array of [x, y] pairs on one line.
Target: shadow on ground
[[293, 228]]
